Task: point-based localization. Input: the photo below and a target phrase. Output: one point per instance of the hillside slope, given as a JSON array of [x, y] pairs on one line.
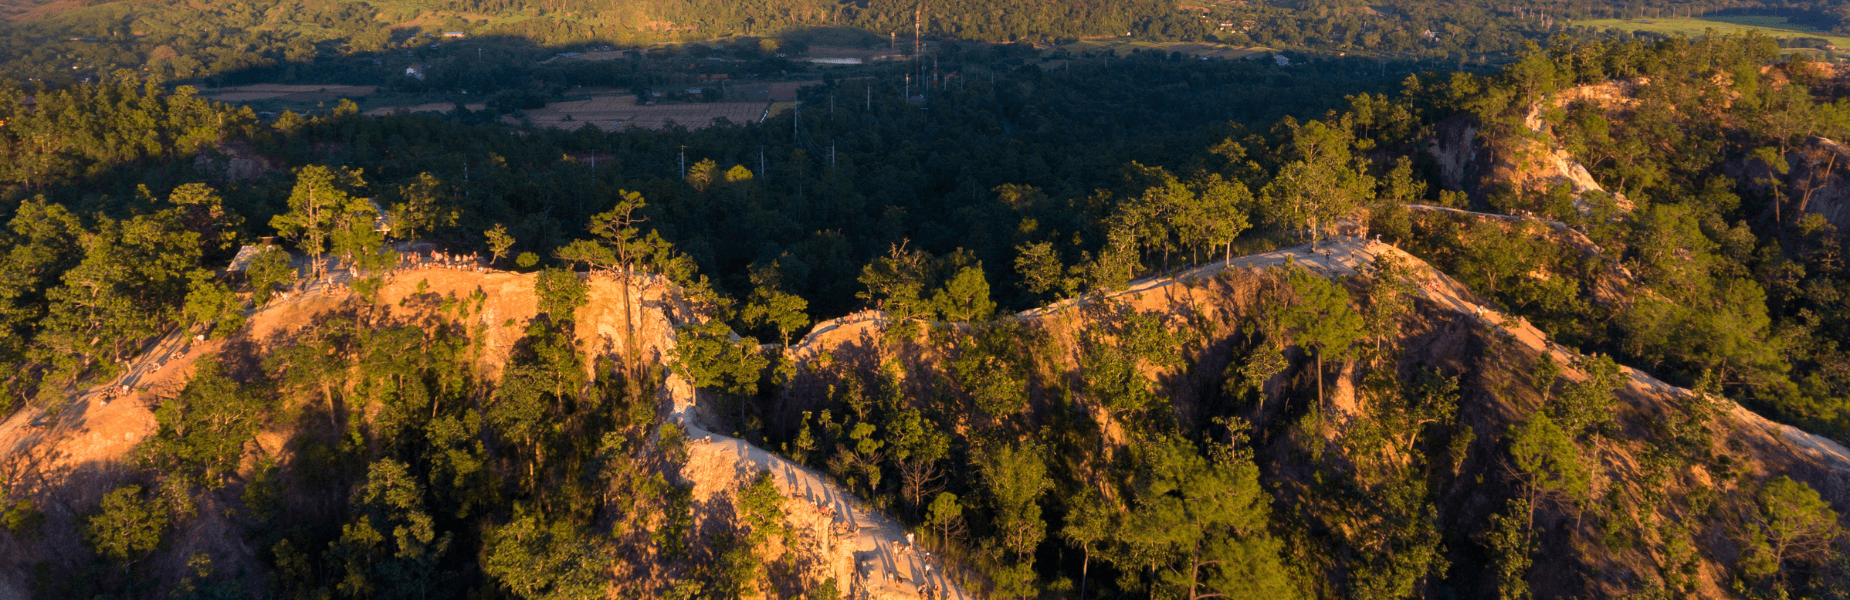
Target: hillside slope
[[1452, 329], [75, 455]]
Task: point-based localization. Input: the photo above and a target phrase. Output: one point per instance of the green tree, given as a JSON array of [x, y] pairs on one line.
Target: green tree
[[1041, 270], [267, 270], [945, 514], [1548, 462], [1796, 521], [537, 560], [1115, 360], [392, 548], [211, 304], [202, 211], [320, 204], [1216, 217], [772, 308], [498, 243], [1321, 182], [965, 298], [201, 433], [917, 445], [42, 241], [127, 526], [538, 401], [619, 247], [359, 242], [1587, 406], [1320, 319], [710, 358], [423, 206], [761, 506], [561, 292], [1512, 548], [1016, 477], [1088, 524], [896, 283], [1202, 522], [128, 287]]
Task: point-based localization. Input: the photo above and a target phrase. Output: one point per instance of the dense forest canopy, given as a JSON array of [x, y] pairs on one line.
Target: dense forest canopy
[[1144, 458]]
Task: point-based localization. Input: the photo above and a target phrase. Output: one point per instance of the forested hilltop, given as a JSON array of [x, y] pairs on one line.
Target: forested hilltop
[[1142, 327]]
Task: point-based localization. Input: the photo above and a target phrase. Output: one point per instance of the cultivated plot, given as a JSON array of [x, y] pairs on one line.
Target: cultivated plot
[[1775, 27]]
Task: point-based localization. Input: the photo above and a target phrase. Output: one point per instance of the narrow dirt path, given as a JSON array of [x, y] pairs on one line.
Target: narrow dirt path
[[867, 553], [864, 550]]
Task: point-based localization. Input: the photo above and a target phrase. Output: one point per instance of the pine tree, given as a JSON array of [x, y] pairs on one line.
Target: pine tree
[[320, 204], [1320, 319]]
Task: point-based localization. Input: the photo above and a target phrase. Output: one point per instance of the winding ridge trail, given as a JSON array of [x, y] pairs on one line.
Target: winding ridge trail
[[864, 551]]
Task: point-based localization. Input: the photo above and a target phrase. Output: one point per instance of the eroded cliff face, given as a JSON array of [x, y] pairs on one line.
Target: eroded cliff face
[[1817, 182], [1531, 161], [1459, 154], [80, 452], [1451, 329], [65, 457]]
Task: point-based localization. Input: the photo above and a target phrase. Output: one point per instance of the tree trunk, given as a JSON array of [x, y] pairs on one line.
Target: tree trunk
[[1194, 569], [1320, 384], [630, 360]]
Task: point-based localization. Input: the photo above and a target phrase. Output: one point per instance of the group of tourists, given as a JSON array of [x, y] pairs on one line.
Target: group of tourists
[[440, 260]]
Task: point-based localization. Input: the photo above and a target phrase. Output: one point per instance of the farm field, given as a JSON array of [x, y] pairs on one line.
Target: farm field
[[436, 107], [1776, 27], [781, 91], [615, 112], [1200, 49], [293, 93]]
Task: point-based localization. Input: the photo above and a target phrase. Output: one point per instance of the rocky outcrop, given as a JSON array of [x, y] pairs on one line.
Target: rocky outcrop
[[1534, 162]]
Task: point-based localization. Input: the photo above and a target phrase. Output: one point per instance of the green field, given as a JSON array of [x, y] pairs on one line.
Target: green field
[[1776, 27]]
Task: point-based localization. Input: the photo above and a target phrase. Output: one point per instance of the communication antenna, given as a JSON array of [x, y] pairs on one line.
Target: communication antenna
[[761, 170], [870, 97], [831, 154], [684, 162]]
